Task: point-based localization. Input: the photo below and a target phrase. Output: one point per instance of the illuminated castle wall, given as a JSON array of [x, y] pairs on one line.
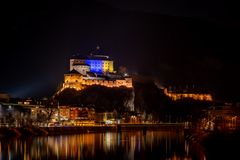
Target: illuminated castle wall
[[93, 70], [78, 82], [195, 96]]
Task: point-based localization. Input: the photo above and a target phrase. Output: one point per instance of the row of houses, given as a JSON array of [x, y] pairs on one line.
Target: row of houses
[[18, 115]]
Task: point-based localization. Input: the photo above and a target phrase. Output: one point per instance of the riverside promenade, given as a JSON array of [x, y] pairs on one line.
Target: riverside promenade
[[44, 131]]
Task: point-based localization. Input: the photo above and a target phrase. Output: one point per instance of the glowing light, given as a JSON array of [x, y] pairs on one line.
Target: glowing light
[[195, 96]]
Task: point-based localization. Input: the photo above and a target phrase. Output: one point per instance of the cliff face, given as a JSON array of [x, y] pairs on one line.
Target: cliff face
[[145, 96], [100, 97]]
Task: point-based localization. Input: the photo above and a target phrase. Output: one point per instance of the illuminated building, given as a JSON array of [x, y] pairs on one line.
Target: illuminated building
[[222, 117], [64, 112], [93, 70], [96, 63], [106, 118], [188, 95], [77, 115], [83, 68]]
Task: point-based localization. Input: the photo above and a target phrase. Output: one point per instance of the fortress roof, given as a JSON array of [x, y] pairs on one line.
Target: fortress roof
[[73, 72], [97, 54]]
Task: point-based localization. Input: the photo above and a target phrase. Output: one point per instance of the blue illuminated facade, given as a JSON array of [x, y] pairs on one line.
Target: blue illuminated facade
[[96, 66]]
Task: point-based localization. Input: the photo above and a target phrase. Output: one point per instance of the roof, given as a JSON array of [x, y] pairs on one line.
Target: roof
[[99, 57], [91, 74], [73, 72], [97, 54], [91, 57]]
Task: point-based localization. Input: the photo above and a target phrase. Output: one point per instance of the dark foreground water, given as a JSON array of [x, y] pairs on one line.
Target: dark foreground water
[[110, 145]]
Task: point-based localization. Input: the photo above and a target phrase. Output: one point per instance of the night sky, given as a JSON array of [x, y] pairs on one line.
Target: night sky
[[176, 42]]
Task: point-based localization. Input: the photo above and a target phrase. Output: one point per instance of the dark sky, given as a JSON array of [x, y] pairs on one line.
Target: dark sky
[[177, 42]]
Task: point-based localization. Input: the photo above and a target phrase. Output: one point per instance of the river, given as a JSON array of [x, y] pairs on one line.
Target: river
[[108, 145]]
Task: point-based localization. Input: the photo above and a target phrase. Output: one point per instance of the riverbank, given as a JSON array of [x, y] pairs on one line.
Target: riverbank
[[216, 144], [222, 145], [44, 131]]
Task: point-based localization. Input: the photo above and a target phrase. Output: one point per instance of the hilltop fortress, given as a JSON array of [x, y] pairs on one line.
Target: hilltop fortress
[[98, 69], [94, 69]]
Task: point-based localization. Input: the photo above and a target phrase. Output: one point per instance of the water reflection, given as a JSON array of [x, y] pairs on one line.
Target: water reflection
[[110, 145]]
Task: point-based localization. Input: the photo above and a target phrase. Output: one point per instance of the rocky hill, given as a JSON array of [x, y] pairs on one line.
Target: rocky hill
[[144, 97]]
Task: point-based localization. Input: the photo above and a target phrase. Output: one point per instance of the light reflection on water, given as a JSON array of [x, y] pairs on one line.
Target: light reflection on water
[[109, 145]]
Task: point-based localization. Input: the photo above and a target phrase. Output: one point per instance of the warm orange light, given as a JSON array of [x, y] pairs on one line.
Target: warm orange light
[[195, 96]]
